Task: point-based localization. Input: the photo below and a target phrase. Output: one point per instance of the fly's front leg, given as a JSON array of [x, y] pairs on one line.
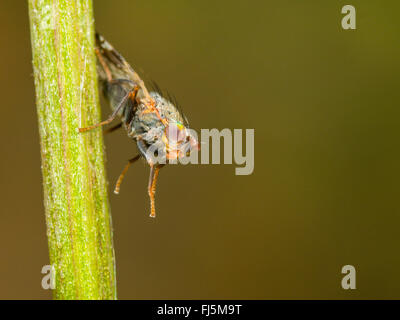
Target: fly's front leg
[[154, 170]]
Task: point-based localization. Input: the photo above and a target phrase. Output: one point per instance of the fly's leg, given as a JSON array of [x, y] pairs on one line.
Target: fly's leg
[[131, 94], [143, 150], [121, 176], [112, 129], [135, 89], [152, 187], [154, 169], [110, 118]]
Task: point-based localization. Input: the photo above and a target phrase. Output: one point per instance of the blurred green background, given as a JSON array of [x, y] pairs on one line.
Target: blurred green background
[[324, 103]]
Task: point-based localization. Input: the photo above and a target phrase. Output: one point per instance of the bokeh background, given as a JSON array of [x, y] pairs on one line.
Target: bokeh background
[[324, 103]]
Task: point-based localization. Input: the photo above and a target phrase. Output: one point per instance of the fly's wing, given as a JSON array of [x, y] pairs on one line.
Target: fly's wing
[[113, 66], [111, 62]]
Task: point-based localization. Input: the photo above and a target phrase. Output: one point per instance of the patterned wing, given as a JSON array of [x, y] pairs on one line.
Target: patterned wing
[[112, 66]]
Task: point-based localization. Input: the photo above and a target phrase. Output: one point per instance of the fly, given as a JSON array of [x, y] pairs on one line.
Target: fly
[[153, 121]]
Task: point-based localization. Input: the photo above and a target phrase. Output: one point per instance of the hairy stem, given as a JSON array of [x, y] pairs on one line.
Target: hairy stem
[[78, 216]]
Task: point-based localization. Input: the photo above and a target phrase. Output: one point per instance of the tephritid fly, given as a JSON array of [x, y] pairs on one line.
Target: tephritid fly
[[152, 120]]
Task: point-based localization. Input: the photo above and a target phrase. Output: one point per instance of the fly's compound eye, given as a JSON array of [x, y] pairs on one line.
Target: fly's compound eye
[[175, 133]]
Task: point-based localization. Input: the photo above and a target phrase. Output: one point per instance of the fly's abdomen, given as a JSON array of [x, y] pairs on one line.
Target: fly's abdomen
[[114, 92]]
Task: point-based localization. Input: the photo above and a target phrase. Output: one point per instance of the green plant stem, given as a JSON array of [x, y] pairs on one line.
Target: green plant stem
[[78, 216]]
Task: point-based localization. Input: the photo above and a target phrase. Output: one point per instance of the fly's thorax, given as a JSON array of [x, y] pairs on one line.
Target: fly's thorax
[[147, 122], [162, 131], [166, 108]]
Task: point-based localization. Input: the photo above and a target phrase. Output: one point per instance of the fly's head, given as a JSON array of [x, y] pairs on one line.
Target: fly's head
[[179, 140], [166, 129]]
